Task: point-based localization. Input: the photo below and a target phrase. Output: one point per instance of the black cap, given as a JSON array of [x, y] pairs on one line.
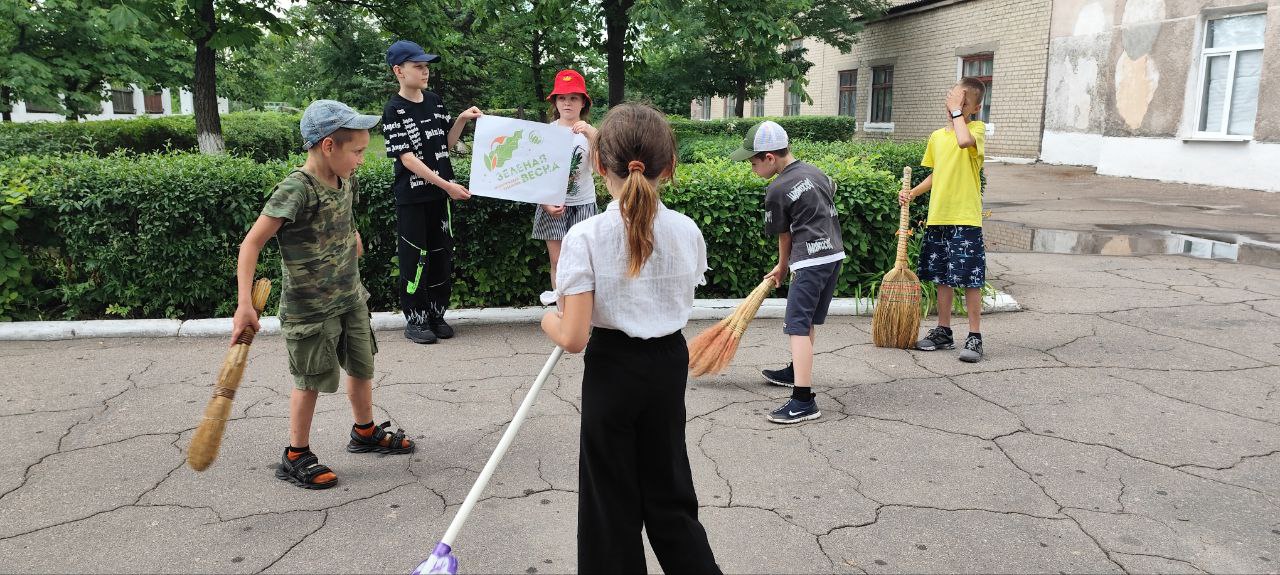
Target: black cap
[[405, 51]]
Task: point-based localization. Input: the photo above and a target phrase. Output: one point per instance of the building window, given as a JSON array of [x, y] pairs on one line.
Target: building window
[[43, 107], [730, 106], [704, 108], [848, 92], [122, 101], [757, 107], [881, 95], [1230, 71], [153, 102], [980, 67], [792, 106]]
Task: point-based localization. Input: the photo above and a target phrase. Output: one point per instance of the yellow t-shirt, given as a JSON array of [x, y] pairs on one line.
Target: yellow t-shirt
[[956, 196]]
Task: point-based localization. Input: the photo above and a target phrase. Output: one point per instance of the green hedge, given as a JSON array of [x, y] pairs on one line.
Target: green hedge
[[725, 199], [15, 270], [814, 128], [263, 136], [156, 235]]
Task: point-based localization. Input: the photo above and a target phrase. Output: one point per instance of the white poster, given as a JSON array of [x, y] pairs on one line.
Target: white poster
[[520, 160]]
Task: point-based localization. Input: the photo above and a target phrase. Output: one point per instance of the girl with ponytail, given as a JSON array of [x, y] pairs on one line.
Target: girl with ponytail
[[625, 284]]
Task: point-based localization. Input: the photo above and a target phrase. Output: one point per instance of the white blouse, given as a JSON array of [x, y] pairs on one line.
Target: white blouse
[[657, 302]]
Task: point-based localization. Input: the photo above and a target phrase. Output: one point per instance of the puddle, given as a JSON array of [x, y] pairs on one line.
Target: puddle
[[1203, 245]]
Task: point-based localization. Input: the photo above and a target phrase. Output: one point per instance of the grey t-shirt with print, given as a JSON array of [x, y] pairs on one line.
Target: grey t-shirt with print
[[801, 200]]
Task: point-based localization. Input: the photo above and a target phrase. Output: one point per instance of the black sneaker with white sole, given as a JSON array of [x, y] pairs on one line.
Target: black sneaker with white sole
[[786, 377], [937, 338], [795, 411]]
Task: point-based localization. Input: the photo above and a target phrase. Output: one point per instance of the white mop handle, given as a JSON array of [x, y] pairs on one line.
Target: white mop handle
[[483, 480]]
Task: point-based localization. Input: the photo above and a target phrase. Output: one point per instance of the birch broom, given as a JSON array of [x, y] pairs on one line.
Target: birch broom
[[208, 438], [712, 350], [896, 322]]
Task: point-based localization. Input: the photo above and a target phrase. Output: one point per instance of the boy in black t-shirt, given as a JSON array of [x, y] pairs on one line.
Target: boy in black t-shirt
[[800, 209], [414, 123]]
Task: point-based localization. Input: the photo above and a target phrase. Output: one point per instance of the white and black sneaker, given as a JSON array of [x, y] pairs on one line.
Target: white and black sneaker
[[937, 338], [786, 377], [972, 349], [795, 411]]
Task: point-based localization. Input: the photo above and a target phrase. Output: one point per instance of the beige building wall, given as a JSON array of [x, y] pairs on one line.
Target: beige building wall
[[925, 46]]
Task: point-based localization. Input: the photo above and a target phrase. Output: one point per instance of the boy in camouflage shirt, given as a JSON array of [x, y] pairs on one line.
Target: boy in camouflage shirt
[[323, 311]]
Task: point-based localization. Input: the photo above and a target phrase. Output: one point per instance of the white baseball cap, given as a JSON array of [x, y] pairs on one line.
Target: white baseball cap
[[767, 136]]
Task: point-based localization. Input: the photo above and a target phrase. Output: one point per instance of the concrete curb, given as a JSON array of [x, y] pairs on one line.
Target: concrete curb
[[703, 309]]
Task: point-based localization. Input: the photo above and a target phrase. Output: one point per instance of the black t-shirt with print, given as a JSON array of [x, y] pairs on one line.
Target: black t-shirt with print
[[421, 128], [801, 200]]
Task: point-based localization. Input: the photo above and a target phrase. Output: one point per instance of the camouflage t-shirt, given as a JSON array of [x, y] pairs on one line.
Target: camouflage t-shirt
[[317, 248]]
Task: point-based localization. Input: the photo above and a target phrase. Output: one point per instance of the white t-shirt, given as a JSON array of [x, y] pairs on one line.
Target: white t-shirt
[[656, 302], [582, 186]]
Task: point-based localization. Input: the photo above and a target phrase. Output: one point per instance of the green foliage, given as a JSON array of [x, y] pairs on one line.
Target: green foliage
[[15, 270], [263, 136], [156, 234], [63, 54], [815, 128]]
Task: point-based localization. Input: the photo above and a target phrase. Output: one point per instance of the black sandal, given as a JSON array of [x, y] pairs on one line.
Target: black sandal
[[374, 444], [303, 471]]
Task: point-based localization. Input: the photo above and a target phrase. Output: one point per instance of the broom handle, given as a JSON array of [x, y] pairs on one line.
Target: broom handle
[[904, 222], [483, 480]]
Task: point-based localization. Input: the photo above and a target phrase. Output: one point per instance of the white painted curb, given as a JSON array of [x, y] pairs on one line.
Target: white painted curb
[[703, 309]]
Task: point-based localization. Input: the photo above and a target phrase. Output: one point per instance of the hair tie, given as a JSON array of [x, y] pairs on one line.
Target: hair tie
[[635, 166]]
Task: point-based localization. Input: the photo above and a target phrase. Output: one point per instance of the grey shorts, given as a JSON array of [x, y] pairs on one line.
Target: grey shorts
[[809, 297], [546, 227]]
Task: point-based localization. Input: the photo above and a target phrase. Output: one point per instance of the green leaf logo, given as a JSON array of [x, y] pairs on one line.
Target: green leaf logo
[[501, 150]]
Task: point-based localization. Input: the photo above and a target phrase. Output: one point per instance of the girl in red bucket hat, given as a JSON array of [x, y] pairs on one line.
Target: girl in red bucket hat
[[570, 107]]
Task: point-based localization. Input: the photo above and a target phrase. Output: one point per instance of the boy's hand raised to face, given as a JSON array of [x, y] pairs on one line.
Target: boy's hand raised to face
[[470, 114], [955, 99]]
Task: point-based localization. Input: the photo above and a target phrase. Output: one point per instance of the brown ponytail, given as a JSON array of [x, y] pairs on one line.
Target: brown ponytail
[[636, 144]]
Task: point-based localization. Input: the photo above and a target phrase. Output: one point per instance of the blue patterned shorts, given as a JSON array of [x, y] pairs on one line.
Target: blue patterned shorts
[[953, 256]]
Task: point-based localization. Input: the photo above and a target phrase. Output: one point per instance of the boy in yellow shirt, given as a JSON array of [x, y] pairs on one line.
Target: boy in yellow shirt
[[953, 254]]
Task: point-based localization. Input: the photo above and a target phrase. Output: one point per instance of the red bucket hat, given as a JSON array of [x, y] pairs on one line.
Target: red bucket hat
[[569, 82]]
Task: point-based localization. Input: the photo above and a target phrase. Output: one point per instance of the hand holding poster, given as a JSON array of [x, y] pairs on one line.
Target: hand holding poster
[[520, 160]]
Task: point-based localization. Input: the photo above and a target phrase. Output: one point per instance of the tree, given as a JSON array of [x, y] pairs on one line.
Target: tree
[[738, 47], [65, 53], [230, 24]]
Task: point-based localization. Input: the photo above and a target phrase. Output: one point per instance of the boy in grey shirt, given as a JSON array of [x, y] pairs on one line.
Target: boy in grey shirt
[[800, 209]]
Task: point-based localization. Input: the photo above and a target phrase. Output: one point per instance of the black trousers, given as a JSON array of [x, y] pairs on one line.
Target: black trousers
[[425, 249], [633, 470]]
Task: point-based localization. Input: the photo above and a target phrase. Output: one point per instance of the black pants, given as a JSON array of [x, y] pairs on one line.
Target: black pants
[[633, 469], [425, 249]]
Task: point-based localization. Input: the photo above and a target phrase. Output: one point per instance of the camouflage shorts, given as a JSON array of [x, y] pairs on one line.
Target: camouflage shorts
[[317, 350]]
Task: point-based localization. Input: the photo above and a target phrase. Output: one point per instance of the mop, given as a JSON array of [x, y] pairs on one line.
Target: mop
[[442, 559]]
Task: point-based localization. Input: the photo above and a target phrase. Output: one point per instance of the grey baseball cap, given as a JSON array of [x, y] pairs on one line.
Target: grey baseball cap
[[324, 117]]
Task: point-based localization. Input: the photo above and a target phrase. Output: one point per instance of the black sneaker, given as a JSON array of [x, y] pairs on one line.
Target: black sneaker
[[972, 349], [786, 377], [795, 411], [418, 333], [438, 326], [936, 339]]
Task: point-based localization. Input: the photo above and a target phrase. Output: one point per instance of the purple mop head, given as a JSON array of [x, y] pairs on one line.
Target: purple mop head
[[441, 562]]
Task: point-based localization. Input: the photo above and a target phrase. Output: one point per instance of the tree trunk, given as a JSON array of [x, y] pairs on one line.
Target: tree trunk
[[535, 68], [616, 22], [204, 91], [741, 98], [7, 114]]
